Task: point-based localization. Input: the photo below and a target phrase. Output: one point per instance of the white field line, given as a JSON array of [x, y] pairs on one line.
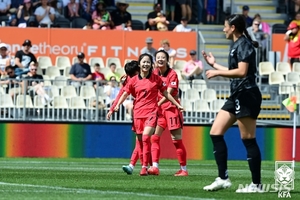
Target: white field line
[[90, 191]]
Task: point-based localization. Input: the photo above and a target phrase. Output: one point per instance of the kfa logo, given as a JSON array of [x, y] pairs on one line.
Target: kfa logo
[[284, 178]]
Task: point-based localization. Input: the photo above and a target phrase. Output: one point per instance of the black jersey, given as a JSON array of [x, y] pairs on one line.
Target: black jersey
[[242, 50]]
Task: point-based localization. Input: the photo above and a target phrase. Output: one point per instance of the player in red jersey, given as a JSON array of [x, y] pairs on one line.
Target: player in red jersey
[[145, 86], [170, 116], [131, 68]]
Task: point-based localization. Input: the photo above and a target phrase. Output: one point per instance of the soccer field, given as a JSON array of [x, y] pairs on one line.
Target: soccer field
[[26, 178]]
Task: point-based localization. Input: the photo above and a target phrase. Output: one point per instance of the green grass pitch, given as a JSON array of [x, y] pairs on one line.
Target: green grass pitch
[[32, 178]]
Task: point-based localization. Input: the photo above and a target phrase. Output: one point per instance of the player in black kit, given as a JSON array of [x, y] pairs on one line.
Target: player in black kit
[[242, 106]]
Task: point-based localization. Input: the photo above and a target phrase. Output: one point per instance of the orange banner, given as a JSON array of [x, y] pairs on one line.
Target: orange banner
[[278, 44], [94, 43]]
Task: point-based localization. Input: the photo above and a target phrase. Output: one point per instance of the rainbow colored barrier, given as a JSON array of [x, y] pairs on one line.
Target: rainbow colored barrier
[[117, 141]]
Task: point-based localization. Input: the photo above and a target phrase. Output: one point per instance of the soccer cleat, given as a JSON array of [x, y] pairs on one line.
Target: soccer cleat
[[153, 171], [143, 172], [252, 188], [181, 173], [218, 184], [127, 169]]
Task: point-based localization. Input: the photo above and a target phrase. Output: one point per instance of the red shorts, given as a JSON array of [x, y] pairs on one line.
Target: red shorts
[[140, 123], [171, 118]]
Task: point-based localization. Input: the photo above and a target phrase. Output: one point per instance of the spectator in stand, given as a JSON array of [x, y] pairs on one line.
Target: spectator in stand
[[24, 13], [297, 18], [113, 72], [15, 4], [258, 35], [297, 5], [149, 49], [185, 9], [120, 16], [171, 9], [88, 25], [4, 7], [165, 45], [89, 6], [193, 68], [73, 8], [57, 10], [10, 81], [81, 71], [98, 76], [151, 24], [111, 90], [245, 13], [4, 58], [183, 27], [23, 59], [264, 26], [292, 36], [211, 8], [101, 17], [162, 22], [45, 14]]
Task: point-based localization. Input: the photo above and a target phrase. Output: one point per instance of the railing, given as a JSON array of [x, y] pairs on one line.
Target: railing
[[201, 100], [201, 42]]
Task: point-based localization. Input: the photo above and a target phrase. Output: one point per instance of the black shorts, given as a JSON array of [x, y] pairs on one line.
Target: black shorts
[[246, 103]]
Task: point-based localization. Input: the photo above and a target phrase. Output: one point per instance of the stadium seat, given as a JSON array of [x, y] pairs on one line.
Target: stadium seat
[[179, 64], [78, 22], [104, 71], [296, 67], [75, 60], [62, 22], [199, 84], [52, 72], [2, 90], [39, 71], [6, 101], [94, 60], [187, 105], [279, 28], [60, 102], [22, 102], [179, 75], [44, 62], [4, 18], [191, 94], [62, 62], [37, 102], [297, 94], [92, 99], [52, 90], [87, 92], [285, 88], [47, 80], [265, 68], [184, 85], [298, 87], [283, 67], [216, 105], [172, 25], [201, 105], [77, 103], [68, 91], [120, 71], [293, 77], [67, 71], [60, 81], [276, 78], [137, 25], [209, 95], [115, 60]]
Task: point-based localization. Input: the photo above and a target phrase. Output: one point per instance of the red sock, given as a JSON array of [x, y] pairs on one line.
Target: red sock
[[140, 150], [155, 148], [146, 150], [135, 153], [180, 151]]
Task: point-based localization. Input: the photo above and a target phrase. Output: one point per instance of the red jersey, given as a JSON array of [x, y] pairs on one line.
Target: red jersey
[[170, 80], [97, 75], [146, 91], [112, 107], [294, 46]]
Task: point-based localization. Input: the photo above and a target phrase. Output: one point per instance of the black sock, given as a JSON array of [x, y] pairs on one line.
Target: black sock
[[220, 152], [254, 159]]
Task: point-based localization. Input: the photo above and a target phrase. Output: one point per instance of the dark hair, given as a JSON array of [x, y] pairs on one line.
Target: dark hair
[[256, 16], [112, 77], [97, 65], [240, 25], [162, 51], [131, 68], [9, 67], [112, 64], [150, 57]]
